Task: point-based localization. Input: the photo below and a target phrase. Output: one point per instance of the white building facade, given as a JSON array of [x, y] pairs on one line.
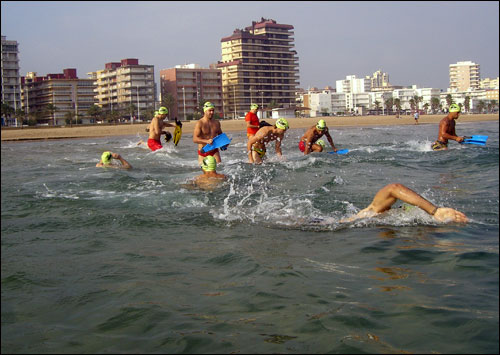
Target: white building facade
[[11, 84]]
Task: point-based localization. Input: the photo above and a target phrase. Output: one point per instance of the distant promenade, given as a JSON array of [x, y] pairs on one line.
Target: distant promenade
[[106, 130]]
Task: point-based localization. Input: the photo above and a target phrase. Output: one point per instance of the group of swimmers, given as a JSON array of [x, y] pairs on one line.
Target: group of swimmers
[[261, 133]]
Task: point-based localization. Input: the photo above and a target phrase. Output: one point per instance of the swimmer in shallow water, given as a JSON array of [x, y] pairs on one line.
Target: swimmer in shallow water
[[210, 179], [106, 161], [311, 142], [447, 129], [389, 194], [256, 146]]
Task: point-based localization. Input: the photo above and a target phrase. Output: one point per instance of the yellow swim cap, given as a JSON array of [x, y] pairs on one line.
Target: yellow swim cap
[[455, 108], [281, 123], [209, 163], [208, 105], [163, 111], [321, 125], [254, 106], [106, 157]]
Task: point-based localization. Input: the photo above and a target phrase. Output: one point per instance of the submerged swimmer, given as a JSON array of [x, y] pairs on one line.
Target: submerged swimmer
[[256, 146], [106, 161], [389, 194], [210, 179]]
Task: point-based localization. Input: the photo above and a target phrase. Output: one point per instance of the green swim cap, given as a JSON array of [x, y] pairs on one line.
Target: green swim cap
[[321, 143], [253, 106], [321, 125], [163, 111], [209, 163], [208, 105], [106, 157], [281, 123], [455, 108]]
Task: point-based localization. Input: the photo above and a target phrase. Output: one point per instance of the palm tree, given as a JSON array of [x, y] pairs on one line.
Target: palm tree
[[377, 105], [434, 104], [449, 99], [494, 104], [412, 104], [480, 106], [20, 115], [388, 104], [168, 101], [417, 99], [95, 111], [397, 103], [7, 110], [131, 110], [426, 107], [51, 108], [273, 104], [490, 106], [68, 118], [114, 116], [467, 103]]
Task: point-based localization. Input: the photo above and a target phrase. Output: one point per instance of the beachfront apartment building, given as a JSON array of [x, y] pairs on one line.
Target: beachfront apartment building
[[55, 98], [487, 96], [11, 84], [489, 83], [464, 76], [190, 86], [124, 86], [353, 85], [326, 102], [259, 65]]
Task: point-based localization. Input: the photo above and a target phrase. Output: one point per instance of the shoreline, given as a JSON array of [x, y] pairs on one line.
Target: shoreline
[[46, 133]]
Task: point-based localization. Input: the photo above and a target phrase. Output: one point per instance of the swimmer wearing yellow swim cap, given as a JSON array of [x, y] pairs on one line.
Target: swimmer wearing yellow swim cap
[[205, 130], [256, 145], [106, 161], [447, 129], [311, 142]]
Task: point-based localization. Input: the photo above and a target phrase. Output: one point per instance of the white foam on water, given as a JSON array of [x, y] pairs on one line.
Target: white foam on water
[[418, 146], [57, 194], [332, 267]]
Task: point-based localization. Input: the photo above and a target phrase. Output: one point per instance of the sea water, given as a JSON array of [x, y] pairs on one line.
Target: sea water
[[114, 261]]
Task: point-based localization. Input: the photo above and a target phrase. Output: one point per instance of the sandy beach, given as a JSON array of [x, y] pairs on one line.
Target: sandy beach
[[22, 134]]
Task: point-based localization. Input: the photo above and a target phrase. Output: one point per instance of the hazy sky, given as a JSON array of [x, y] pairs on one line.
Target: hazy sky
[[414, 42]]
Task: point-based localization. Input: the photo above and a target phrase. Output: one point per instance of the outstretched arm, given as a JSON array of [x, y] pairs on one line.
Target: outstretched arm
[[389, 194], [330, 140]]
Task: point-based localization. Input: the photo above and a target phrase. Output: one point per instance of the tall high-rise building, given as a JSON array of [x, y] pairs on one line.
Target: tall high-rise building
[[65, 92], [464, 76], [11, 85], [189, 85], [123, 84], [259, 65], [379, 80]]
